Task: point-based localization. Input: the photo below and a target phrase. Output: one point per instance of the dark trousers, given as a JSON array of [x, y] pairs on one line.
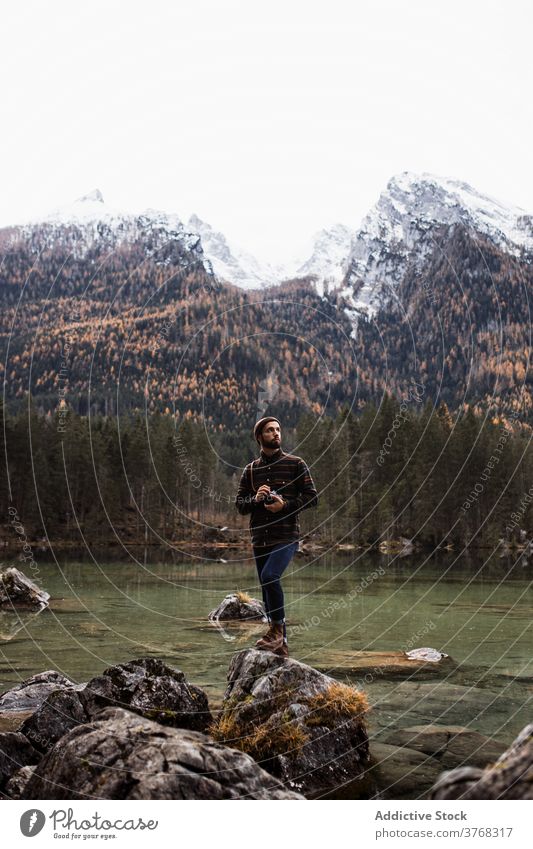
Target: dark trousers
[[271, 562]]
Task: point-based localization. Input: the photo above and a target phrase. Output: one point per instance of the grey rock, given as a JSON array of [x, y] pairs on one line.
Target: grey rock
[[401, 772], [234, 606], [17, 590], [146, 686], [510, 777], [451, 745], [16, 785], [31, 693], [151, 688], [299, 724], [15, 752], [123, 756], [411, 703], [61, 711]]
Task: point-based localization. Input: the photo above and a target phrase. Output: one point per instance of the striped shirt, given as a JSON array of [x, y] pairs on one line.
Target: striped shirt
[[289, 476]]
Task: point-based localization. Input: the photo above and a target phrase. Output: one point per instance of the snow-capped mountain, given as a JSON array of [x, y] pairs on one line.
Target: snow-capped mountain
[[328, 262], [89, 220], [232, 264], [397, 231]]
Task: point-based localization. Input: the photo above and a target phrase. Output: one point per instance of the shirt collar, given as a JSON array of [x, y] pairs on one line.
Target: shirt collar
[[271, 457]]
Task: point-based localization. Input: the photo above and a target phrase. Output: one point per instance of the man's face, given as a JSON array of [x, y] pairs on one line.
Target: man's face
[[271, 435]]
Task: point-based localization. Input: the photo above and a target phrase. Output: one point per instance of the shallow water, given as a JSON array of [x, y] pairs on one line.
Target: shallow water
[[478, 613]]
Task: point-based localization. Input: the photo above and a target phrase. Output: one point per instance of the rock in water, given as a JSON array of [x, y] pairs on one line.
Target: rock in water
[[16, 590], [123, 756], [31, 693], [304, 727], [428, 655], [238, 606], [146, 686], [149, 687], [510, 777]]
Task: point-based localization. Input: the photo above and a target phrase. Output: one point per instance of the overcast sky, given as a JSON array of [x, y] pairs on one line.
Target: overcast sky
[[269, 120]]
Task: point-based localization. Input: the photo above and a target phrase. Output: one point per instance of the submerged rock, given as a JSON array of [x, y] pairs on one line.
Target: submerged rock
[[17, 590], [400, 664], [238, 606], [451, 745], [401, 772], [146, 686], [509, 777], [302, 726], [15, 752], [123, 756]]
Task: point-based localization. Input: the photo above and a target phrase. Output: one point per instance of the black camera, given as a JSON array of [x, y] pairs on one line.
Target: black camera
[[268, 498]]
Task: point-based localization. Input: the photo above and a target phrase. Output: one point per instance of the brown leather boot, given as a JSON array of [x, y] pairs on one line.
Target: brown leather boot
[[283, 651], [276, 642], [264, 641]]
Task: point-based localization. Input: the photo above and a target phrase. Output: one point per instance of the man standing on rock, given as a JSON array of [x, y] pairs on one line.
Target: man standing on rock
[[273, 489]]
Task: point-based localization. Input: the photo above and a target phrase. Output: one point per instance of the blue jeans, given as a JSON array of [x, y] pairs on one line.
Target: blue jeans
[[271, 562]]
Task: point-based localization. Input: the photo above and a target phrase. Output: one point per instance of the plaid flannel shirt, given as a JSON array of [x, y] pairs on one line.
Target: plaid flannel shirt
[[289, 476]]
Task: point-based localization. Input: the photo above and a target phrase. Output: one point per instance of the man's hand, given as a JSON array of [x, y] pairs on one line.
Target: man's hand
[[276, 506], [262, 492]]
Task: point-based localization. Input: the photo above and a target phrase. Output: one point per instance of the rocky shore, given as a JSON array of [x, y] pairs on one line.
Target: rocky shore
[[285, 730]]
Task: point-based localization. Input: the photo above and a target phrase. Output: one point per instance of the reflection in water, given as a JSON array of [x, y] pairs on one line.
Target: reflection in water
[[13, 621]]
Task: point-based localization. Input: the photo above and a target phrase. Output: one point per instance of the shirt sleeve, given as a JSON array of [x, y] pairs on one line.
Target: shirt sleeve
[[244, 500], [307, 493]]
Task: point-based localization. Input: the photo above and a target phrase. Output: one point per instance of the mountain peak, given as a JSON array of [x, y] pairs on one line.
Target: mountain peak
[[411, 205], [95, 195]]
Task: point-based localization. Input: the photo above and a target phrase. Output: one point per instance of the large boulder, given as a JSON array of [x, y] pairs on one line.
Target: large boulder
[[146, 686], [27, 696], [151, 688], [509, 777], [17, 590], [15, 752], [123, 756], [60, 711], [302, 726], [238, 606]]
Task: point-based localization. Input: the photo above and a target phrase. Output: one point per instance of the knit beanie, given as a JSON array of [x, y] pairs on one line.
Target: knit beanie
[[261, 423]]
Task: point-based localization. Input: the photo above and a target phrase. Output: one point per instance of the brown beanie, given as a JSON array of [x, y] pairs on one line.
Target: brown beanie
[[261, 423]]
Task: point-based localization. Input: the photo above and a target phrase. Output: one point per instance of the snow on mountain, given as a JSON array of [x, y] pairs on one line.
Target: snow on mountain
[[232, 264], [328, 262], [392, 234], [89, 220]]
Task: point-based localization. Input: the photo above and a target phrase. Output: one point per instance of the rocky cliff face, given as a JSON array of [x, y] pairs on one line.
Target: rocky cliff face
[[397, 235]]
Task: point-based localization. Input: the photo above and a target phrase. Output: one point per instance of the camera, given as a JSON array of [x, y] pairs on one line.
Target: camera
[[268, 498]]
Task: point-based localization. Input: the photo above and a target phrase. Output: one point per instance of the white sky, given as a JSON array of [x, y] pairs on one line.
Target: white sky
[[269, 120]]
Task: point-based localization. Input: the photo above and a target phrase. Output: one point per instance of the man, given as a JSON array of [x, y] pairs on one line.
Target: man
[[273, 489]]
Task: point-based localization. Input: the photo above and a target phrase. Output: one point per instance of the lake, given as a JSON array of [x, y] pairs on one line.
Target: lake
[[479, 612]]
